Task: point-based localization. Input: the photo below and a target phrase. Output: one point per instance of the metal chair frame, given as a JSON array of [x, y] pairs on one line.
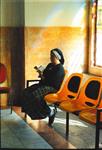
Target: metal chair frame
[[98, 127]]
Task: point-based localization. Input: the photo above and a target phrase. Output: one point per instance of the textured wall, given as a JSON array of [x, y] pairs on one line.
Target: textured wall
[[46, 13], [51, 24], [39, 41]]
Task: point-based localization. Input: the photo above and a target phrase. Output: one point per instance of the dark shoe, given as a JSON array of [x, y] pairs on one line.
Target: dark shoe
[[51, 118]]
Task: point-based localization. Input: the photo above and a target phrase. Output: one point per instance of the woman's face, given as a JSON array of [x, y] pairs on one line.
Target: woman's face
[[53, 59]]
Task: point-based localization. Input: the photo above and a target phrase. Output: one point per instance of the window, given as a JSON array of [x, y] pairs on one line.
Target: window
[[98, 54], [95, 60]]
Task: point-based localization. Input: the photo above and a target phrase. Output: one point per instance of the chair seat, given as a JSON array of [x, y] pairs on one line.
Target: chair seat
[[51, 98], [72, 106], [55, 98], [89, 116], [4, 89]]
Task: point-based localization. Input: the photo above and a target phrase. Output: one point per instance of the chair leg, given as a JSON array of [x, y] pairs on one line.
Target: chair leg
[[97, 130], [10, 104], [67, 124], [55, 106], [11, 109]]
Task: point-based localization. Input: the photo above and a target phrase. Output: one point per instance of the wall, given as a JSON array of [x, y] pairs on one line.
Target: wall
[[51, 24], [12, 47], [46, 13]]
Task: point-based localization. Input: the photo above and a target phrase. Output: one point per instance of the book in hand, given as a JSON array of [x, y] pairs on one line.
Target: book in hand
[[39, 69]]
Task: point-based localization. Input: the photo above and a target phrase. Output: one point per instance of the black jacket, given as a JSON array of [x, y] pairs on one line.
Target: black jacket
[[53, 75]]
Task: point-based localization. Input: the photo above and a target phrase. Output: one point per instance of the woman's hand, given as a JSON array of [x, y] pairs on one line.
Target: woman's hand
[[41, 75]]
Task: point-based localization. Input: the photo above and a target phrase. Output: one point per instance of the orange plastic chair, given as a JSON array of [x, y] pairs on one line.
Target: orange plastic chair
[[69, 89], [93, 116], [88, 98], [89, 115], [3, 77]]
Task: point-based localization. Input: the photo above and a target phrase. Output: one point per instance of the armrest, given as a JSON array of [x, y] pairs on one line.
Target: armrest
[[28, 81]]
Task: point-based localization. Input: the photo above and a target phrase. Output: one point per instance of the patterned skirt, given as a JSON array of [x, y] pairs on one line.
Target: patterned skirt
[[33, 102]]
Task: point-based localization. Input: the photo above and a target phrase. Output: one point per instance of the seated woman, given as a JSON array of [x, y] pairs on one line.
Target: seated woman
[[33, 102]]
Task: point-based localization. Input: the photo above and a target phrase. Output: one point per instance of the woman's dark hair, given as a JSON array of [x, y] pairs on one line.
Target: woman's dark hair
[[60, 53]]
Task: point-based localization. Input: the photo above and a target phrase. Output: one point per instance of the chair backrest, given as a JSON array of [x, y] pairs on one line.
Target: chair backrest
[[91, 92], [70, 86], [2, 73]]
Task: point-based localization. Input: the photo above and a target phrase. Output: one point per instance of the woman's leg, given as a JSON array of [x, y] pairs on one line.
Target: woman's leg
[[33, 101], [27, 96], [41, 105]]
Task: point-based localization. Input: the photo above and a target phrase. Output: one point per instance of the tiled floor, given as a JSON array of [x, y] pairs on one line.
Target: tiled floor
[[81, 134], [49, 134], [15, 133]]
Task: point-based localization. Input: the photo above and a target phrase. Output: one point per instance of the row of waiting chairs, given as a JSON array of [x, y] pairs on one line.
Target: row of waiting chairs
[[73, 98]]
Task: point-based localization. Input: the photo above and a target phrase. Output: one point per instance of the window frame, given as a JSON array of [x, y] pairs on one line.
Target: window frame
[[93, 68]]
